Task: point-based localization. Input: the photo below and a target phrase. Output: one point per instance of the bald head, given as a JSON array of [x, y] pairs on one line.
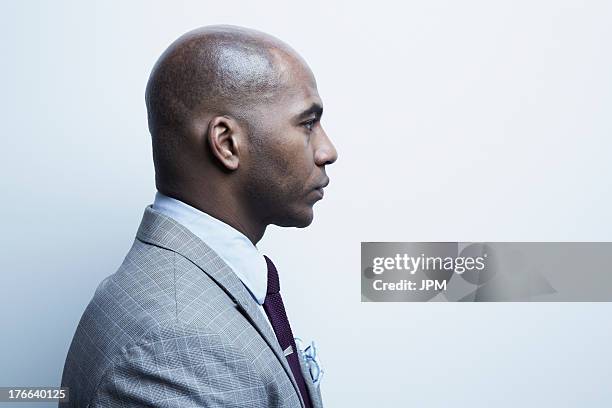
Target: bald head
[[232, 112], [217, 68], [213, 70]]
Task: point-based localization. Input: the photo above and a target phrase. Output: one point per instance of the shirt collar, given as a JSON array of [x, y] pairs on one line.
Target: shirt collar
[[230, 244]]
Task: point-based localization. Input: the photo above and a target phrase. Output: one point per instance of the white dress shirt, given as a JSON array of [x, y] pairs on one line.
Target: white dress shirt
[[231, 245]]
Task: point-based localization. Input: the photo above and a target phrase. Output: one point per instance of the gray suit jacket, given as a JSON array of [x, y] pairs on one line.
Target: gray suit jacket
[[175, 327]]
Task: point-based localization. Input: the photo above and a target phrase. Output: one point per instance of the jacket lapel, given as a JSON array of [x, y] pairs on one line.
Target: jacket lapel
[[160, 230]]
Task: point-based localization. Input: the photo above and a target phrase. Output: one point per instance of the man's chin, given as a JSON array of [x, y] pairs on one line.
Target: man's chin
[[300, 219]]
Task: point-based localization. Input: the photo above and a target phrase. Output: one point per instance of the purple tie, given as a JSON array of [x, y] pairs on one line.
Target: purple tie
[[273, 305]]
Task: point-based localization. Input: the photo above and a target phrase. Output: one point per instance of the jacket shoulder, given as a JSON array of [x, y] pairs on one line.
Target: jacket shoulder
[[137, 299], [153, 289]]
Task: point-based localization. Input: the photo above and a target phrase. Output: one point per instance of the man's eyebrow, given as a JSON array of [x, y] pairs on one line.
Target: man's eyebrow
[[315, 109]]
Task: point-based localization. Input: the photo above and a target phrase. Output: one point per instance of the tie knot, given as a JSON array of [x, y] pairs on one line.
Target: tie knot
[[273, 282]]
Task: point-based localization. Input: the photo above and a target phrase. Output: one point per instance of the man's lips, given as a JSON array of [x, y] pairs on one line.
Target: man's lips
[[321, 186]]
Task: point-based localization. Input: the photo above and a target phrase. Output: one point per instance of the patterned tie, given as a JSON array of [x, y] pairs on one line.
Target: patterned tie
[[273, 305]]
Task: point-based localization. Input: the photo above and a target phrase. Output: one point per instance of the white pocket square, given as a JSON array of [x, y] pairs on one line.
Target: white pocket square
[[311, 359]]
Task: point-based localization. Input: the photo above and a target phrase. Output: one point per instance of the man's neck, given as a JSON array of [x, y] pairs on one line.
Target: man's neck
[[226, 210]]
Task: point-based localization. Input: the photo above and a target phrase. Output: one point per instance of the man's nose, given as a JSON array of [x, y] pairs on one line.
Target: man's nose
[[325, 152]]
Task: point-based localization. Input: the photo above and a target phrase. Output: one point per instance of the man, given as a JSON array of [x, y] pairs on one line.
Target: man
[[193, 317]]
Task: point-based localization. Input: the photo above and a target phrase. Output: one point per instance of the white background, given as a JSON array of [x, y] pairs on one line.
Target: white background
[[454, 121]]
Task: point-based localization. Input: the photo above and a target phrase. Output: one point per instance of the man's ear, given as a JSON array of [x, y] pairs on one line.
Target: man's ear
[[223, 138]]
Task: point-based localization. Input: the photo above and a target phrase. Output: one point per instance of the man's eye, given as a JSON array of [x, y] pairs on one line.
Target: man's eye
[[310, 124]]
